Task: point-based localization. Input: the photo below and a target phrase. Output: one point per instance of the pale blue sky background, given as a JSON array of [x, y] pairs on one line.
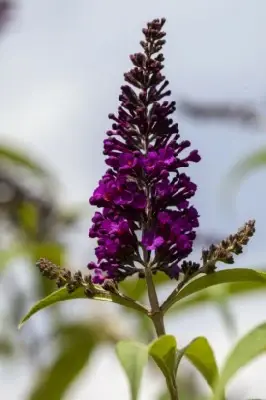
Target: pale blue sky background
[[62, 64]]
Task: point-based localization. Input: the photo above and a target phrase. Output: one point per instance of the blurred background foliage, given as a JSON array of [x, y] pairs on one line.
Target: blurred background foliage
[[33, 224]]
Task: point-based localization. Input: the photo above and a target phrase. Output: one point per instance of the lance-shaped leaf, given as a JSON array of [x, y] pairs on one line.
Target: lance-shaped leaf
[[200, 354], [11, 254], [133, 357], [163, 351], [77, 343], [6, 347], [214, 294], [249, 347], [217, 278], [17, 157], [63, 295], [243, 168]]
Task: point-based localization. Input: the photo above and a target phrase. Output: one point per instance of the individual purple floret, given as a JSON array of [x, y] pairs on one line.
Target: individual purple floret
[[146, 219]]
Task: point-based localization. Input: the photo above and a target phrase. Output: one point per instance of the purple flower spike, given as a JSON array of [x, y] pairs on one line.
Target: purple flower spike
[[144, 193]]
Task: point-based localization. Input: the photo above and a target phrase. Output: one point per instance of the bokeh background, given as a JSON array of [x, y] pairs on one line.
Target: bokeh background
[[62, 64]]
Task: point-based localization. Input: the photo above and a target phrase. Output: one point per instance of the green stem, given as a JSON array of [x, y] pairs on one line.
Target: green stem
[[156, 315], [173, 388]]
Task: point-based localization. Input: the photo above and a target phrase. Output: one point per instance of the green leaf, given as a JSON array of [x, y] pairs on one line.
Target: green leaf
[[145, 328], [241, 170], [29, 218], [133, 287], [200, 354], [6, 347], [249, 347], [10, 254], [213, 294], [137, 288], [133, 357], [227, 316], [163, 351], [252, 162], [77, 343], [63, 295], [54, 252], [18, 157], [216, 278]]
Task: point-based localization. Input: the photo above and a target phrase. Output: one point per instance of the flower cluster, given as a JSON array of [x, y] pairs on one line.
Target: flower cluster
[[146, 219]]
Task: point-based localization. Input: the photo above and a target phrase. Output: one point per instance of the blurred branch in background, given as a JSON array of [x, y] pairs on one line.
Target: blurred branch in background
[[245, 114], [6, 7], [250, 117]]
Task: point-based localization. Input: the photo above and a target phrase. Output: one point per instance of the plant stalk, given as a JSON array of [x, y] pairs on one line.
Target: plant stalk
[[155, 314], [172, 387], [157, 317]]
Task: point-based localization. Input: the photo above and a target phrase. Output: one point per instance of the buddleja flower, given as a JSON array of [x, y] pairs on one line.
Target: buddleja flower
[[146, 219]]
